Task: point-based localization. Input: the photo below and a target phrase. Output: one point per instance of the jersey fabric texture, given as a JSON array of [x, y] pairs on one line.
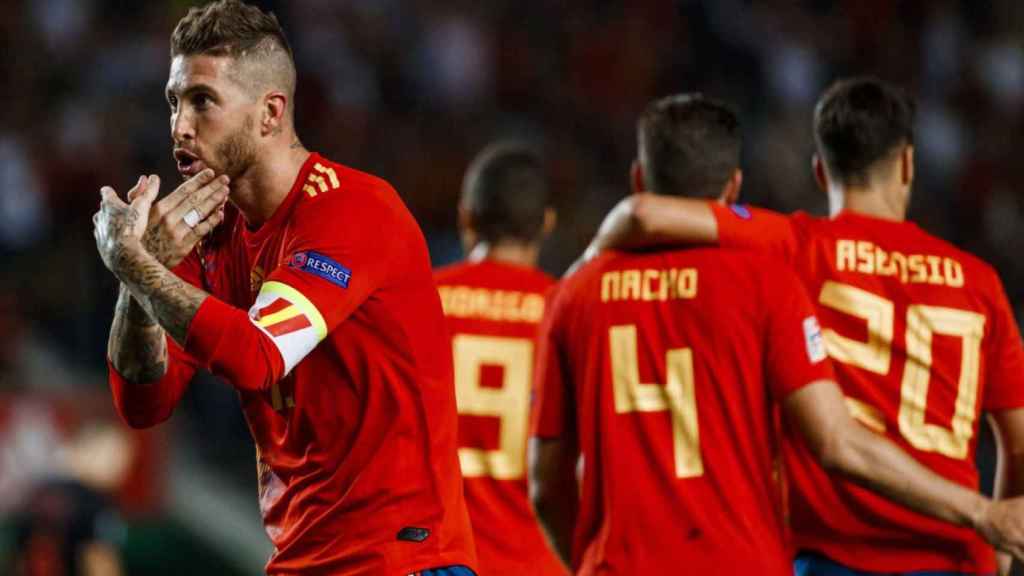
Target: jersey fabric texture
[[666, 367], [493, 310], [923, 340], [343, 374]]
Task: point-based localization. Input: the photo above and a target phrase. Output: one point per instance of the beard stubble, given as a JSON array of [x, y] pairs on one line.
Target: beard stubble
[[237, 153]]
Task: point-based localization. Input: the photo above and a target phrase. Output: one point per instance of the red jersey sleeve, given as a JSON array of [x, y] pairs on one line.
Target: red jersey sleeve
[[340, 253], [553, 407], [741, 226], [795, 350], [1004, 380], [148, 404], [340, 257]]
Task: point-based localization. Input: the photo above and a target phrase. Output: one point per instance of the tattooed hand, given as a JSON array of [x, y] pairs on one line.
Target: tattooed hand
[[118, 227], [168, 236]]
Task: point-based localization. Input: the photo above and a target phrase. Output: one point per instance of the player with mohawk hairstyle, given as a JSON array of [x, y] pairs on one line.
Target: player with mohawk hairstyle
[[310, 292]]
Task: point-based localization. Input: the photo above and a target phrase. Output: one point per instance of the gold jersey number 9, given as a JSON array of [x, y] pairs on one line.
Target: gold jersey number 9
[[510, 403]]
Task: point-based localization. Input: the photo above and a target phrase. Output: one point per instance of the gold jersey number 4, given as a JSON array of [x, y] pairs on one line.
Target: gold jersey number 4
[[875, 355], [677, 396]]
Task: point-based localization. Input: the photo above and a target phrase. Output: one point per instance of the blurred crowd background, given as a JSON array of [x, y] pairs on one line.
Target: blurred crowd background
[[411, 90]]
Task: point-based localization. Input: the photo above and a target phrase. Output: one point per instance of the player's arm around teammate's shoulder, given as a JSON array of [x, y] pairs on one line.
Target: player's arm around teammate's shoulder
[[645, 219]]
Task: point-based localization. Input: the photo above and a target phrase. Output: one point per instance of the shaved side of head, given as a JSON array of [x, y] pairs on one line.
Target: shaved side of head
[[254, 39]]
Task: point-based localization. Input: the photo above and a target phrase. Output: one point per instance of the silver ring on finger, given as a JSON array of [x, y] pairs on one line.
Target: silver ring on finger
[[192, 218]]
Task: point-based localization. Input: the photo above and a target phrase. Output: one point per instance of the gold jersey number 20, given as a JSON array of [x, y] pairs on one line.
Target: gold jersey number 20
[[875, 355]]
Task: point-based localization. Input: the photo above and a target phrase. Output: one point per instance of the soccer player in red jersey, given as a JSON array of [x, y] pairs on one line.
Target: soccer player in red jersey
[[922, 334], [662, 368], [493, 303], [313, 298]]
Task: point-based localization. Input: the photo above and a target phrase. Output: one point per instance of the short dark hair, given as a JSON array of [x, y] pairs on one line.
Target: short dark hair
[[505, 191], [689, 145], [240, 31], [859, 121]]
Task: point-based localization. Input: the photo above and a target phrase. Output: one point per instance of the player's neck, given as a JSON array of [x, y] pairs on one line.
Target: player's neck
[[517, 253], [869, 201], [260, 191]]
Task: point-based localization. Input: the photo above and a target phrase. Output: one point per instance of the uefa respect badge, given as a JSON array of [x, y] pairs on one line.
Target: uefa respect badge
[[322, 266]]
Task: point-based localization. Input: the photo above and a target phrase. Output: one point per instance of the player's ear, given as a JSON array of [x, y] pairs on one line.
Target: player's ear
[[907, 165], [550, 220], [275, 106], [636, 178], [820, 175], [467, 229], [465, 219], [731, 191]]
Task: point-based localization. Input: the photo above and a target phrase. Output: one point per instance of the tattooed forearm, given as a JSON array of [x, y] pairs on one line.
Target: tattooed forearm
[[171, 301], [159, 245], [136, 346], [122, 241]]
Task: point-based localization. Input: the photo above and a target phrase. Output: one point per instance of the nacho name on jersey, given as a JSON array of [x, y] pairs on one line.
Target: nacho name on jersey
[[649, 285], [867, 258]]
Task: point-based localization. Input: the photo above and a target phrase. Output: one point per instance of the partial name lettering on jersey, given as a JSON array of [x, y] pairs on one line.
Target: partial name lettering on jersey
[[866, 257], [290, 320], [322, 266]]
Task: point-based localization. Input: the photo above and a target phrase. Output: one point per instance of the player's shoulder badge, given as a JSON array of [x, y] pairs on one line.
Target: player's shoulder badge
[[814, 340], [741, 210], [322, 266]]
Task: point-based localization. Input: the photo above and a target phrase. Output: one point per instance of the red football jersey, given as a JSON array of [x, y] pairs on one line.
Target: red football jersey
[[667, 365], [356, 443], [924, 341], [493, 310]]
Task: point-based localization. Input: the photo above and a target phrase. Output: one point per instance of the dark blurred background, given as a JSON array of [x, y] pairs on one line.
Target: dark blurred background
[[411, 90]]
